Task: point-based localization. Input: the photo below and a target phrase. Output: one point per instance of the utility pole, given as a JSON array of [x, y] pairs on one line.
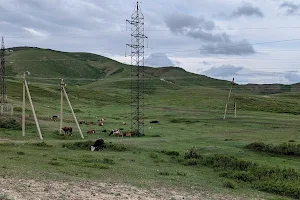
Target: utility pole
[[62, 85], [3, 98], [137, 70], [230, 92], [25, 85], [63, 92]]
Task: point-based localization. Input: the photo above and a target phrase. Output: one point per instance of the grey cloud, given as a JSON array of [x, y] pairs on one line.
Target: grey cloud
[[199, 28], [247, 10], [229, 48], [292, 76], [291, 8], [205, 63], [159, 60], [246, 75], [223, 71]]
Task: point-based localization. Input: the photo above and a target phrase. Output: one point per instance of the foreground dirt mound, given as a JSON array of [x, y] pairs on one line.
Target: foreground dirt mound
[[21, 189]]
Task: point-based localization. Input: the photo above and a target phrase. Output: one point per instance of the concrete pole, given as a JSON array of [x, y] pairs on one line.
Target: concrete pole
[[234, 109], [232, 83], [24, 106], [66, 95], [33, 111], [61, 104], [227, 103]]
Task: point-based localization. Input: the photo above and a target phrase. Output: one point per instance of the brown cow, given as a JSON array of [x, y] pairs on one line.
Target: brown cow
[[128, 134], [67, 130], [90, 131]]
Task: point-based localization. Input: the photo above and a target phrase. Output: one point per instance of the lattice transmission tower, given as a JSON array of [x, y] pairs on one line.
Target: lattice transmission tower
[[3, 98], [137, 47]]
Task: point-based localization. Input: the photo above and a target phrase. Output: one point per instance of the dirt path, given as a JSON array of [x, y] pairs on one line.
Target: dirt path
[[21, 189]]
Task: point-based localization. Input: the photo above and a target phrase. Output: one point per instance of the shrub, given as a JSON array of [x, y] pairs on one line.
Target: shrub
[[78, 145], [20, 153], [55, 163], [282, 149], [153, 155], [179, 173], [116, 147], [41, 144], [170, 153], [229, 184], [11, 124], [155, 135], [193, 153], [164, 173]]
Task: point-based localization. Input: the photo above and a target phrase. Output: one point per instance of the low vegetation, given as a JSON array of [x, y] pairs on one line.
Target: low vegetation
[[281, 181], [289, 149]]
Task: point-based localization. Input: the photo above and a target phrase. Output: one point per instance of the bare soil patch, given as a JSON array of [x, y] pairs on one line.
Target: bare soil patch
[[29, 189]]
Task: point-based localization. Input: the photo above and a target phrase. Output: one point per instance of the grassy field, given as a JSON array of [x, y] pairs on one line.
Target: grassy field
[[189, 115]]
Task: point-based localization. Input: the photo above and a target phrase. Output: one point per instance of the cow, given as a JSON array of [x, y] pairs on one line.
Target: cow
[[98, 145], [67, 130], [90, 131], [100, 124], [116, 132], [154, 122], [54, 117], [128, 134], [124, 123]]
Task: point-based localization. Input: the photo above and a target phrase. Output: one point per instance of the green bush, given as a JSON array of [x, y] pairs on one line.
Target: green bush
[[85, 145], [281, 181], [193, 153], [229, 184], [282, 149], [170, 153], [11, 124]]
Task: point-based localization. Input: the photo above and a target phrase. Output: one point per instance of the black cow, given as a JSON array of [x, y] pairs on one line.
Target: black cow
[[98, 145]]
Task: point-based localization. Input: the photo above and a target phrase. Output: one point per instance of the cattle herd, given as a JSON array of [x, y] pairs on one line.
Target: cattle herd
[[99, 143]]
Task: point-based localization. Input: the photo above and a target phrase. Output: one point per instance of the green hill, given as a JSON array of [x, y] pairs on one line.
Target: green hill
[[99, 80]]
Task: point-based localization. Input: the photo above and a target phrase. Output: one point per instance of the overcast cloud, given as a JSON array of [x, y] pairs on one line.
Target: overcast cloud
[[244, 10], [181, 33], [291, 8], [202, 29]]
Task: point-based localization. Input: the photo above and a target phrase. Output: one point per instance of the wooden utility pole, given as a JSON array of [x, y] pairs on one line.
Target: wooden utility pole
[[230, 91], [62, 85], [67, 98], [24, 105], [32, 108]]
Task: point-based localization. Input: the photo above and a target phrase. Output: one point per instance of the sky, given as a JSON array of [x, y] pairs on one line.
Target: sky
[[254, 41]]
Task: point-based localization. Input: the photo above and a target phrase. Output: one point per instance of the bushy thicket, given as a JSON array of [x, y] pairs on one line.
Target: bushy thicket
[[11, 124], [281, 149], [281, 181], [85, 145]]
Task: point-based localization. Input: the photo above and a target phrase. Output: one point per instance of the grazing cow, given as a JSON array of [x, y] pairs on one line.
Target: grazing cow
[[128, 134], [101, 120], [104, 131], [124, 123], [67, 130], [54, 117], [98, 145], [116, 132], [90, 131], [154, 122], [101, 124]]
